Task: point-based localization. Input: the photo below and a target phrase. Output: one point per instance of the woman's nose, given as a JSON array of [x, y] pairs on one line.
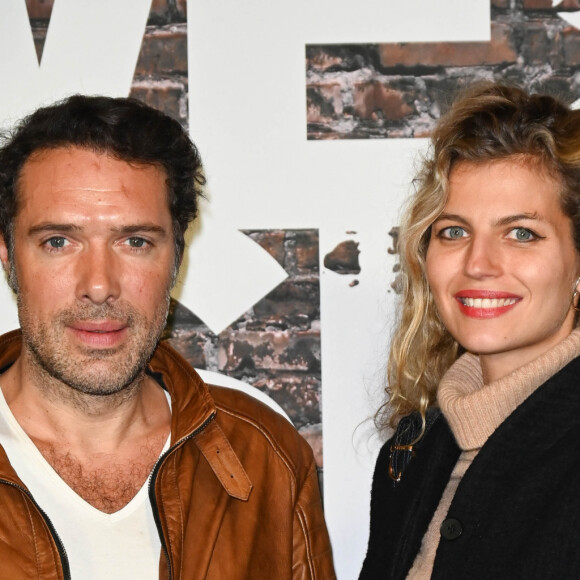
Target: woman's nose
[[482, 258]]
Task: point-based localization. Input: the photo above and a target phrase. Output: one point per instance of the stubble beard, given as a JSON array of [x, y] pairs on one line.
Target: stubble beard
[[89, 371]]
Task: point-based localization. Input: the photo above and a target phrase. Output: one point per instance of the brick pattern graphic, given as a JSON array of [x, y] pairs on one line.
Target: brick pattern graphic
[[275, 346], [393, 90], [161, 72]]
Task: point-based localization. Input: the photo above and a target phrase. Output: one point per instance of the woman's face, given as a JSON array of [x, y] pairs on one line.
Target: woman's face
[[502, 265]]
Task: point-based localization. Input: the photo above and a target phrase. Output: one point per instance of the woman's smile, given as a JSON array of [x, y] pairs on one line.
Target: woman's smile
[[485, 303], [501, 262]]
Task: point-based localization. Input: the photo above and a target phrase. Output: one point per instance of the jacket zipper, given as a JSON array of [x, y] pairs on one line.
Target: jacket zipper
[[59, 545], [153, 478]]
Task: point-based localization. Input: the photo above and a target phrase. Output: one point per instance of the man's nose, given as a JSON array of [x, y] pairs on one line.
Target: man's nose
[[97, 276]]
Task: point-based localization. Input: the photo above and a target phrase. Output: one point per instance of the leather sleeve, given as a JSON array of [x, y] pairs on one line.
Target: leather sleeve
[[312, 554]]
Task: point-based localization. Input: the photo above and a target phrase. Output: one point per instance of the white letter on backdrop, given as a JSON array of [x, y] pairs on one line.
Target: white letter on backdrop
[[248, 115]]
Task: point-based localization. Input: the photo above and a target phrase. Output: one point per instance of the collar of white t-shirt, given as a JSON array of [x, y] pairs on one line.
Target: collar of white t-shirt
[[99, 546]]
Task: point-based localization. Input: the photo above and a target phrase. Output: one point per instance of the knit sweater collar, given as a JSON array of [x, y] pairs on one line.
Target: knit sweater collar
[[475, 410]]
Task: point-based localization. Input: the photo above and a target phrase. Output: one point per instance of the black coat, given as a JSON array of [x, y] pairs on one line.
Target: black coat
[[517, 506]]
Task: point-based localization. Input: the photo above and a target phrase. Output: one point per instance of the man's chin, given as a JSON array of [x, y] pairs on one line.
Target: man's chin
[[100, 384], [98, 372], [93, 355]]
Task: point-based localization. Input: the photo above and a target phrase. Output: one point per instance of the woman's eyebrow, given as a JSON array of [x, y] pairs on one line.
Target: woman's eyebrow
[[500, 222], [451, 217], [510, 219]]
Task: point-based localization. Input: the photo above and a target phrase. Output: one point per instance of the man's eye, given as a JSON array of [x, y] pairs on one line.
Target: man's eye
[[56, 242], [452, 233], [136, 242]]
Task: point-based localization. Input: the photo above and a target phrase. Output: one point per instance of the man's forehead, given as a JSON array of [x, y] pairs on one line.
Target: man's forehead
[[66, 156], [77, 169], [81, 186]]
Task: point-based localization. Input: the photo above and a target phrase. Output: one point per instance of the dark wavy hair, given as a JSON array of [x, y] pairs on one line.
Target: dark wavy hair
[[126, 129]]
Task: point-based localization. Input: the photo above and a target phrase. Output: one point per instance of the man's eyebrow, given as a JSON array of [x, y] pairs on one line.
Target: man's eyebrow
[[72, 228], [52, 227], [140, 228]]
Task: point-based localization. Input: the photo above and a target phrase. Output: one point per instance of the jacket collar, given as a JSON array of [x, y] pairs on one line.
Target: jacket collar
[[191, 403], [192, 411]]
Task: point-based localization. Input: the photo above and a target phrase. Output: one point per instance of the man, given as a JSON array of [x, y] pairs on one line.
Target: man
[[119, 461]]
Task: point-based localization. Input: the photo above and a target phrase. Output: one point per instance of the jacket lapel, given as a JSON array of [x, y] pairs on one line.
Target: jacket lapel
[[508, 491], [417, 495], [220, 474]]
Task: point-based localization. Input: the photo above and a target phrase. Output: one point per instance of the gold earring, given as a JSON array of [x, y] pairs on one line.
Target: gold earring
[[576, 293]]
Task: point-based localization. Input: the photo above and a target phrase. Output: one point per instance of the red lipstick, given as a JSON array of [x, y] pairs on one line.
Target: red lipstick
[[485, 303]]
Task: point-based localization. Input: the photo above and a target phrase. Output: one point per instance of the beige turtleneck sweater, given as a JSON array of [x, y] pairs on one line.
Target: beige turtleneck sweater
[[474, 410]]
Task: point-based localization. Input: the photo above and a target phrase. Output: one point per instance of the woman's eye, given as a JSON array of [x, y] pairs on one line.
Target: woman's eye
[[452, 233], [522, 235]]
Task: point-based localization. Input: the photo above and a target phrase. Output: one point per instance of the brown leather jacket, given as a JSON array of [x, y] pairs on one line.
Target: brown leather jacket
[[235, 497]]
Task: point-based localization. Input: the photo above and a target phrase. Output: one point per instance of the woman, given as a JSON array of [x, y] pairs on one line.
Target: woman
[[482, 477]]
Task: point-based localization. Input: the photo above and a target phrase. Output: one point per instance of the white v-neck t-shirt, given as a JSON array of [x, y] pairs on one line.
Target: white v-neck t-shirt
[[124, 545]]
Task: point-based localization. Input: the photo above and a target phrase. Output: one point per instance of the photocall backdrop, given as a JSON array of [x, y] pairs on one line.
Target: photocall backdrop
[[310, 116]]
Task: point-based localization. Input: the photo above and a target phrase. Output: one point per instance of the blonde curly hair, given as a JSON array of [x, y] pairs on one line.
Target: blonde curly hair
[[490, 121]]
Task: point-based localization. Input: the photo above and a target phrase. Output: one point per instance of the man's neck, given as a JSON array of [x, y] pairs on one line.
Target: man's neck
[[103, 447], [36, 397]]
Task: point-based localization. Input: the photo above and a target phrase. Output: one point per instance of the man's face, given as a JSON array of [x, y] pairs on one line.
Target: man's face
[[93, 261]]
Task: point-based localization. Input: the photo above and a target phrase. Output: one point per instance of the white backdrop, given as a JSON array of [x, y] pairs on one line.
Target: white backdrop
[[264, 174]]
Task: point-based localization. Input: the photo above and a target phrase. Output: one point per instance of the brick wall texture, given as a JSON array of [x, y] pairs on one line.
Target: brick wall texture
[[161, 72], [275, 346], [392, 90]]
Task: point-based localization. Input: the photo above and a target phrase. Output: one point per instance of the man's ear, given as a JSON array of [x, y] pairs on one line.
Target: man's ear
[[4, 258], [7, 265]]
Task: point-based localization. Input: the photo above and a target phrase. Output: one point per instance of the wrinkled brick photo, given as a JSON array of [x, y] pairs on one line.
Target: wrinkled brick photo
[[398, 90]]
